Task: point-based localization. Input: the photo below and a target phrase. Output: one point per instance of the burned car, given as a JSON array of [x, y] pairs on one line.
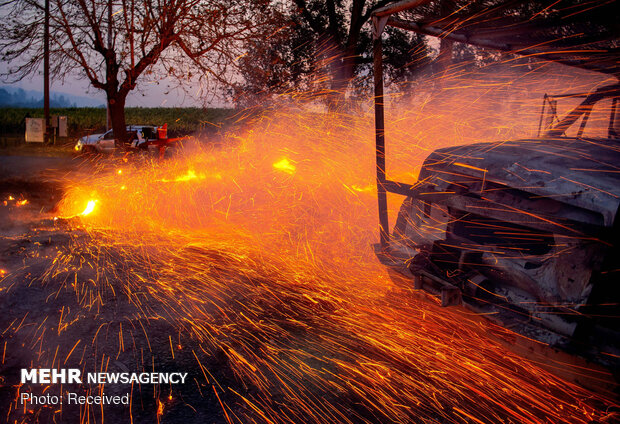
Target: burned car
[[525, 232]]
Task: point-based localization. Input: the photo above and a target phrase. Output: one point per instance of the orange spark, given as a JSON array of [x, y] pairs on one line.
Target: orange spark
[[367, 188], [188, 176]]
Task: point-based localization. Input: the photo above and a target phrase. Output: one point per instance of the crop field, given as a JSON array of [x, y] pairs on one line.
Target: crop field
[[84, 120]]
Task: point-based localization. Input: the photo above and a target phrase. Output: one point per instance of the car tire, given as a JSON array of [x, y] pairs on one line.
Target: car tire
[[89, 151]]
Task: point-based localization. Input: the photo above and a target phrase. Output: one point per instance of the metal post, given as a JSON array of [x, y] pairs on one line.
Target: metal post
[[46, 71], [542, 115], [611, 132], [384, 231]]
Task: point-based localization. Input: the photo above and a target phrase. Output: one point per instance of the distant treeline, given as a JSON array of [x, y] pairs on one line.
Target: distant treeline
[[21, 98], [82, 120]]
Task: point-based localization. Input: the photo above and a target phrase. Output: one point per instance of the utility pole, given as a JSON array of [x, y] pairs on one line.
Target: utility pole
[[46, 71], [108, 120]]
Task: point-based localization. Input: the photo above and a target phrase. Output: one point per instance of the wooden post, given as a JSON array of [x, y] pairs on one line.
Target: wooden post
[[46, 71], [108, 121], [384, 229]]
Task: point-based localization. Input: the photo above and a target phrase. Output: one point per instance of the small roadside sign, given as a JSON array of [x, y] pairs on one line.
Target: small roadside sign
[[62, 126], [35, 130]]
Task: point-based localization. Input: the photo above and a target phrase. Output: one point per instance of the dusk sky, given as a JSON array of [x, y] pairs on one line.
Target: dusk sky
[[147, 94]]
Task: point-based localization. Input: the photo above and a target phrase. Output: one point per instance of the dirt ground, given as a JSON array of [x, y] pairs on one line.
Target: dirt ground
[[57, 313], [44, 323], [49, 319]]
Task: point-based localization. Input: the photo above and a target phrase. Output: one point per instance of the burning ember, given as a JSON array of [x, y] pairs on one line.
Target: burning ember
[[266, 289], [89, 208], [12, 200], [285, 165], [188, 176]]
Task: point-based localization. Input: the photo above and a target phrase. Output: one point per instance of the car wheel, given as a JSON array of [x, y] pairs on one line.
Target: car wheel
[[89, 151]]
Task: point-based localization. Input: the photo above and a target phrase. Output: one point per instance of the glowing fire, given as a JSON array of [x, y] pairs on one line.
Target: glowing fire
[[275, 276], [285, 165], [90, 207], [188, 176], [366, 189]]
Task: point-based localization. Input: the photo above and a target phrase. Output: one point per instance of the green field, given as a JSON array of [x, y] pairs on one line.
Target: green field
[[181, 121]]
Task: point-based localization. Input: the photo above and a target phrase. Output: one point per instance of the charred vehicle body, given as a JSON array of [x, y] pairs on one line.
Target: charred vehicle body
[[524, 229], [526, 232]]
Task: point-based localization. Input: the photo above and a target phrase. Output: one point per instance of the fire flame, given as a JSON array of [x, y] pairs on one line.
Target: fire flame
[[90, 207], [276, 275], [285, 165], [188, 176]]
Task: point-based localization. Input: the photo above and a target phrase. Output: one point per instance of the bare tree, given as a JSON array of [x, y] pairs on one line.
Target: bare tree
[[343, 41], [115, 44]]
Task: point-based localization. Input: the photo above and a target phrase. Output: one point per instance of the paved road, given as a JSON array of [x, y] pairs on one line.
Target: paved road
[[37, 168]]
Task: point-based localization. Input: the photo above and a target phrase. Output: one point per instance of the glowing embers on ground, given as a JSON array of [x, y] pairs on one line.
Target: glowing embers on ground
[[190, 175], [11, 200], [299, 344], [87, 207], [269, 284]]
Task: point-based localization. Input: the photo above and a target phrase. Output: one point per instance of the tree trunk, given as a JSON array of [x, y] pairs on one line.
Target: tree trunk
[[338, 86], [444, 60], [116, 103], [342, 73]]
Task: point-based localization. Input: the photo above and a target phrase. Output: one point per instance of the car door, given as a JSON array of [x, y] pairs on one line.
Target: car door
[[106, 143]]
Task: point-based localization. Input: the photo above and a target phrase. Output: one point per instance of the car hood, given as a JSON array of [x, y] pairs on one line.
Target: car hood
[[581, 172], [91, 139]]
